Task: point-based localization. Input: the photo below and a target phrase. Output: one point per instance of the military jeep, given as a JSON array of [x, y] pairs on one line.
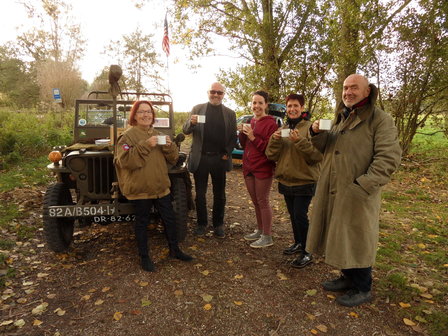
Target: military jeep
[[87, 190]]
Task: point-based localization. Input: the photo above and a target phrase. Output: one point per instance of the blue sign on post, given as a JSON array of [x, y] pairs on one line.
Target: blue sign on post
[[57, 96]]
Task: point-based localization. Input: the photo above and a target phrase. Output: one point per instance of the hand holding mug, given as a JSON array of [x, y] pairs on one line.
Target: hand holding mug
[[194, 119], [315, 126], [152, 141], [277, 134]]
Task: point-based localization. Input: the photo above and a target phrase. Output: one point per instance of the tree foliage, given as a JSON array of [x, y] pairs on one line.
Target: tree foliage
[[136, 54], [17, 82], [417, 85]]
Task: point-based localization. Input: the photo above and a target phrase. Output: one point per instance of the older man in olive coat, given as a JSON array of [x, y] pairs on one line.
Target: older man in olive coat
[[361, 151]]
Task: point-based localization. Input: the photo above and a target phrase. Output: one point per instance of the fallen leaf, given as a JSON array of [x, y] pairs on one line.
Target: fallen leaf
[[178, 292], [310, 316], [145, 302], [207, 297], [99, 302], [311, 292], [427, 311], [238, 276], [198, 265], [314, 331], [229, 261], [39, 309], [118, 315], [426, 295], [322, 328], [205, 272], [42, 275], [330, 296], [92, 290], [5, 323], [238, 303], [208, 306], [421, 245], [37, 322], [136, 312], [85, 297], [194, 247], [59, 311], [281, 276], [19, 323], [353, 314], [420, 319], [105, 289], [404, 305], [51, 296], [143, 283], [21, 300], [408, 322]]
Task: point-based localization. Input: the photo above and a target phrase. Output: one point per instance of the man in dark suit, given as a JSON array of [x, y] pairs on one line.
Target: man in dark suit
[[211, 154]]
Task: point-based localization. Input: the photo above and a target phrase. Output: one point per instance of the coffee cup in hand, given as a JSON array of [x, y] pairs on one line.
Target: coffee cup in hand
[[285, 132], [325, 124], [161, 139], [201, 119]]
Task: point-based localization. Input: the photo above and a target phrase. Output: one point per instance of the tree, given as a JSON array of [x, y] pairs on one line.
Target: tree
[[61, 75], [55, 36], [138, 58], [266, 34], [417, 85], [17, 83]]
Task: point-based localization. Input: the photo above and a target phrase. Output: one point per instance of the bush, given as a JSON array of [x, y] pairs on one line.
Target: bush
[[27, 134]]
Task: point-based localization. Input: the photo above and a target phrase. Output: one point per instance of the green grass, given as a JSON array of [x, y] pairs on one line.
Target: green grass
[[30, 173], [414, 235]]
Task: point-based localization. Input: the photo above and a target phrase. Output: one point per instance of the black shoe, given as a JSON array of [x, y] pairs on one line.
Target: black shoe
[[200, 230], [302, 261], [178, 254], [218, 231], [338, 285], [293, 249], [147, 264], [354, 297]]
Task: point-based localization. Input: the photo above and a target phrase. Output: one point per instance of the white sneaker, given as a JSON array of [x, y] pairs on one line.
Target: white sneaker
[[253, 236], [264, 241]]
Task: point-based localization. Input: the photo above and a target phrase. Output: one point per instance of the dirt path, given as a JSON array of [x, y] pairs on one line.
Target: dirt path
[[229, 289]]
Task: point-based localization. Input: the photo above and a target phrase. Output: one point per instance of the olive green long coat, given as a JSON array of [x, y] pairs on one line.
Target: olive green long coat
[[360, 154]]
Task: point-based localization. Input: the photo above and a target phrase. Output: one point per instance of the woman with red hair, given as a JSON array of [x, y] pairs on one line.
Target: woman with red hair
[[141, 165]]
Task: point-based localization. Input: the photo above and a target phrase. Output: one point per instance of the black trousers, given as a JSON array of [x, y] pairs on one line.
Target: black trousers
[[361, 277], [298, 212], [142, 212], [214, 166]]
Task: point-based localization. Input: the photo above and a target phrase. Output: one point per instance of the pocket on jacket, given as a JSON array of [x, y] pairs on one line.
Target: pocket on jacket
[[358, 190]]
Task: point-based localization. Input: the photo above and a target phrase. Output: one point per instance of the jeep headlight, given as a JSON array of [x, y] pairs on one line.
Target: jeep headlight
[[77, 164]]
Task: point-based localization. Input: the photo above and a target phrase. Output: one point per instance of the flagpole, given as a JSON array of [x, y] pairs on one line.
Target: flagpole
[[166, 49]]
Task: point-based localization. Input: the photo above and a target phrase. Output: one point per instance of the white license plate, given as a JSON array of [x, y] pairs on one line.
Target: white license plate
[[114, 219], [81, 211]]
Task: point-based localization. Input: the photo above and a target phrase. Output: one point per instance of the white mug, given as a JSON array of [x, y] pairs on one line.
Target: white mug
[[161, 139], [285, 132], [201, 119], [325, 124]]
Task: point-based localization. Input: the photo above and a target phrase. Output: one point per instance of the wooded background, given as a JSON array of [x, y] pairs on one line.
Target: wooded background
[[304, 46]]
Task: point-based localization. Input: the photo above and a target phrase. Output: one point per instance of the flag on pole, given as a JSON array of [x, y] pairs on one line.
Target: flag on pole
[[166, 39]]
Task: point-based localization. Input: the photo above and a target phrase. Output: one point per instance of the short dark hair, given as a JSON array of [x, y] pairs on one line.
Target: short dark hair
[[262, 93], [295, 96]]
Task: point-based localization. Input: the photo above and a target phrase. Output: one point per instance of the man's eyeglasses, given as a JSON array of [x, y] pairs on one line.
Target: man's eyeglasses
[[216, 92], [143, 112]]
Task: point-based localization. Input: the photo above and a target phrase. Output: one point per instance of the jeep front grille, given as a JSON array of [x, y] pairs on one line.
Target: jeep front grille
[[100, 174]]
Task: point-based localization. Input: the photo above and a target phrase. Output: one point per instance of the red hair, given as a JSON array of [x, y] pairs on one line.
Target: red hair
[[134, 109]]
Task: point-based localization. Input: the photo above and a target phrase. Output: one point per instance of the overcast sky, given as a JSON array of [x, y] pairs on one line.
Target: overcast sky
[[117, 18]]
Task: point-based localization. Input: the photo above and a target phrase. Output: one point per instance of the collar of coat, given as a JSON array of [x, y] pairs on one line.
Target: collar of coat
[[364, 111]]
